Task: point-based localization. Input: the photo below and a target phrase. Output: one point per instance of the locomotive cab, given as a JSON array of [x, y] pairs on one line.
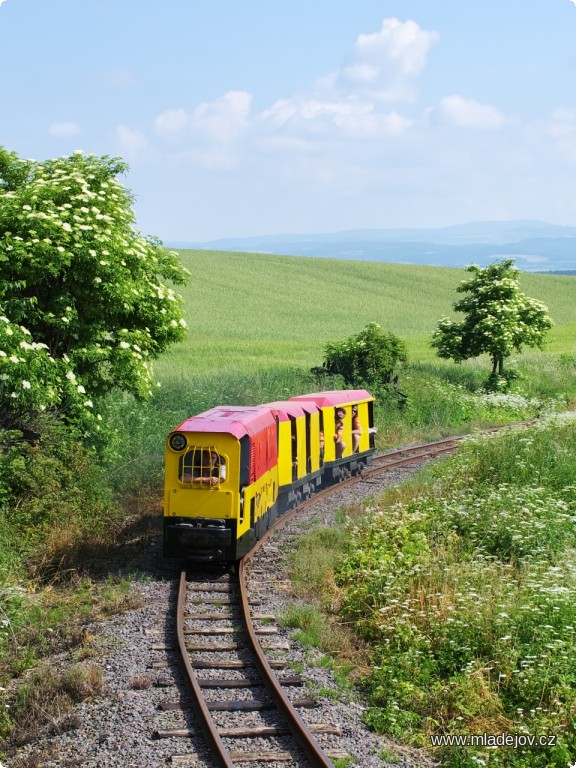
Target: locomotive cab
[[221, 484]]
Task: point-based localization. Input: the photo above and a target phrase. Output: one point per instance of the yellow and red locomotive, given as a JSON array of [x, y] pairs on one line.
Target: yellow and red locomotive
[[231, 470]]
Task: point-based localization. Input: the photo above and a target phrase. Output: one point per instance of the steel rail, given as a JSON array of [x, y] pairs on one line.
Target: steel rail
[[297, 726], [209, 731], [422, 449]]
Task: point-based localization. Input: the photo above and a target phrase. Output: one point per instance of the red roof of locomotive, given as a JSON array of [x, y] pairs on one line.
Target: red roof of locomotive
[[334, 398], [236, 420]]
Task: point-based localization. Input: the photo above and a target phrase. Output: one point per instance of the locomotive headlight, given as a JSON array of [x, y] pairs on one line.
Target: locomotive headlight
[[177, 442]]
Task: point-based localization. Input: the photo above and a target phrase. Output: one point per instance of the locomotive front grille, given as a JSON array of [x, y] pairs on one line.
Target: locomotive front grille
[[202, 467]]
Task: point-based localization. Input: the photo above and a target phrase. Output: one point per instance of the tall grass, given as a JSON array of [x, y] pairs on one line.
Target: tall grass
[[465, 586]]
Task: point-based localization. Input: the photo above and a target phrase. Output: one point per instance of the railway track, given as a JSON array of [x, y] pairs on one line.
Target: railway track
[[245, 703]]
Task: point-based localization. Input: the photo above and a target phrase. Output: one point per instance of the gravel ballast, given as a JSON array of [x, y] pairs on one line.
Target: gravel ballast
[[118, 728]]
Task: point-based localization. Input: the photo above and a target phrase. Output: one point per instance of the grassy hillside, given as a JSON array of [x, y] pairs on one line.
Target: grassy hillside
[[248, 311]]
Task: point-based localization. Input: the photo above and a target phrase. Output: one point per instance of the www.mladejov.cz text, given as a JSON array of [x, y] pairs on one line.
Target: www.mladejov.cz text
[[515, 740]]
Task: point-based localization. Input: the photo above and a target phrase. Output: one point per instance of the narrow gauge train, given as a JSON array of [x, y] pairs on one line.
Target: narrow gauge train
[[231, 470]]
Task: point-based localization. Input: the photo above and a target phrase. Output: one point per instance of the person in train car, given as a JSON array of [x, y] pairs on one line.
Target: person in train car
[[210, 471], [338, 435], [356, 429]]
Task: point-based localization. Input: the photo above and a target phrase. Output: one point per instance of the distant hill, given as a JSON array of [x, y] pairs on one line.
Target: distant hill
[[535, 245]]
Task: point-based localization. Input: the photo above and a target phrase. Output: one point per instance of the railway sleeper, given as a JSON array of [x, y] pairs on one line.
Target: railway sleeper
[[238, 705]]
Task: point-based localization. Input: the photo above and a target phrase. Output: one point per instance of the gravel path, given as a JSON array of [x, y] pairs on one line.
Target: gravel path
[[117, 728]]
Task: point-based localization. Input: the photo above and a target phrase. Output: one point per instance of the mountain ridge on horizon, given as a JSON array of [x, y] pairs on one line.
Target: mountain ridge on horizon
[[535, 245]]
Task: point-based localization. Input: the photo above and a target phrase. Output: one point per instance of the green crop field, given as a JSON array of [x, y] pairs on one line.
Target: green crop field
[[253, 311]]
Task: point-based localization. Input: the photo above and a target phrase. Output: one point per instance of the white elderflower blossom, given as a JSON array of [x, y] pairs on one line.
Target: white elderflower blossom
[[26, 384], [81, 389]]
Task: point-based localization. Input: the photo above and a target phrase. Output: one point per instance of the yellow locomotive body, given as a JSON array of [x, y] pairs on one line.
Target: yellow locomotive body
[[221, 483]]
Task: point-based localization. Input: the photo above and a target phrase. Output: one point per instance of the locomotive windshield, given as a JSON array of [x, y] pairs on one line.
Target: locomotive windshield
[[202, 467]]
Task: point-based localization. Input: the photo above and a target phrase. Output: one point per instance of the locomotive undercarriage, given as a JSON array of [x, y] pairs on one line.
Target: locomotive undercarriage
[[211, 540]]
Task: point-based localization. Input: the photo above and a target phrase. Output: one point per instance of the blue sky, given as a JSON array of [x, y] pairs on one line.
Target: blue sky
[[266, 116]]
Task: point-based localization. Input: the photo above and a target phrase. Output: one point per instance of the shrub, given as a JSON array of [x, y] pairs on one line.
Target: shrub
[[369, 357]]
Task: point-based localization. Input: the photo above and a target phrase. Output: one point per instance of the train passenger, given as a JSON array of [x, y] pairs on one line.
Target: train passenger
[[356, 430], [294, 458], [210, 470], [338, 435]]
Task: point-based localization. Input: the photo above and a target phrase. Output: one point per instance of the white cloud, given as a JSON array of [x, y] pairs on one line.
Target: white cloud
[[64, 130], [384, 64], [315, 116], [468, 113], [223, 120], [130, 140], [172, 122], [212, 132], [347, 104]]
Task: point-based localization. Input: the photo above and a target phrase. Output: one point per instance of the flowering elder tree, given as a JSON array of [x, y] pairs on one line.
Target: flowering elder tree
[[83, 300], [499, 319]]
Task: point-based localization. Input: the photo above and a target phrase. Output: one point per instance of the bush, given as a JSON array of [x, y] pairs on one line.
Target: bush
[[53, 500], [370, 357]]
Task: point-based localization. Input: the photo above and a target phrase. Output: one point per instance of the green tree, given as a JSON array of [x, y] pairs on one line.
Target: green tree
[[369, 357], [84, 304], [499, 318]]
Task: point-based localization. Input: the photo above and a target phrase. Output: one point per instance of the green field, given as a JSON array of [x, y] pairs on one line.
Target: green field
[[251, 312]]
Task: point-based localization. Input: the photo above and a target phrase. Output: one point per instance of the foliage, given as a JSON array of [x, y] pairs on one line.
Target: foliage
[[466, 590], [368, 357], [83, 305], [62, 500], [499, 319]]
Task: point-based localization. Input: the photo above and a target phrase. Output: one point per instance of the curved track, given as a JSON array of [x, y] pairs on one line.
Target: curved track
[[250, 647]]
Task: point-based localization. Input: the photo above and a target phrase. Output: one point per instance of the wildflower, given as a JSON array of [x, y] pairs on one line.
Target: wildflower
[[26, 384]]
